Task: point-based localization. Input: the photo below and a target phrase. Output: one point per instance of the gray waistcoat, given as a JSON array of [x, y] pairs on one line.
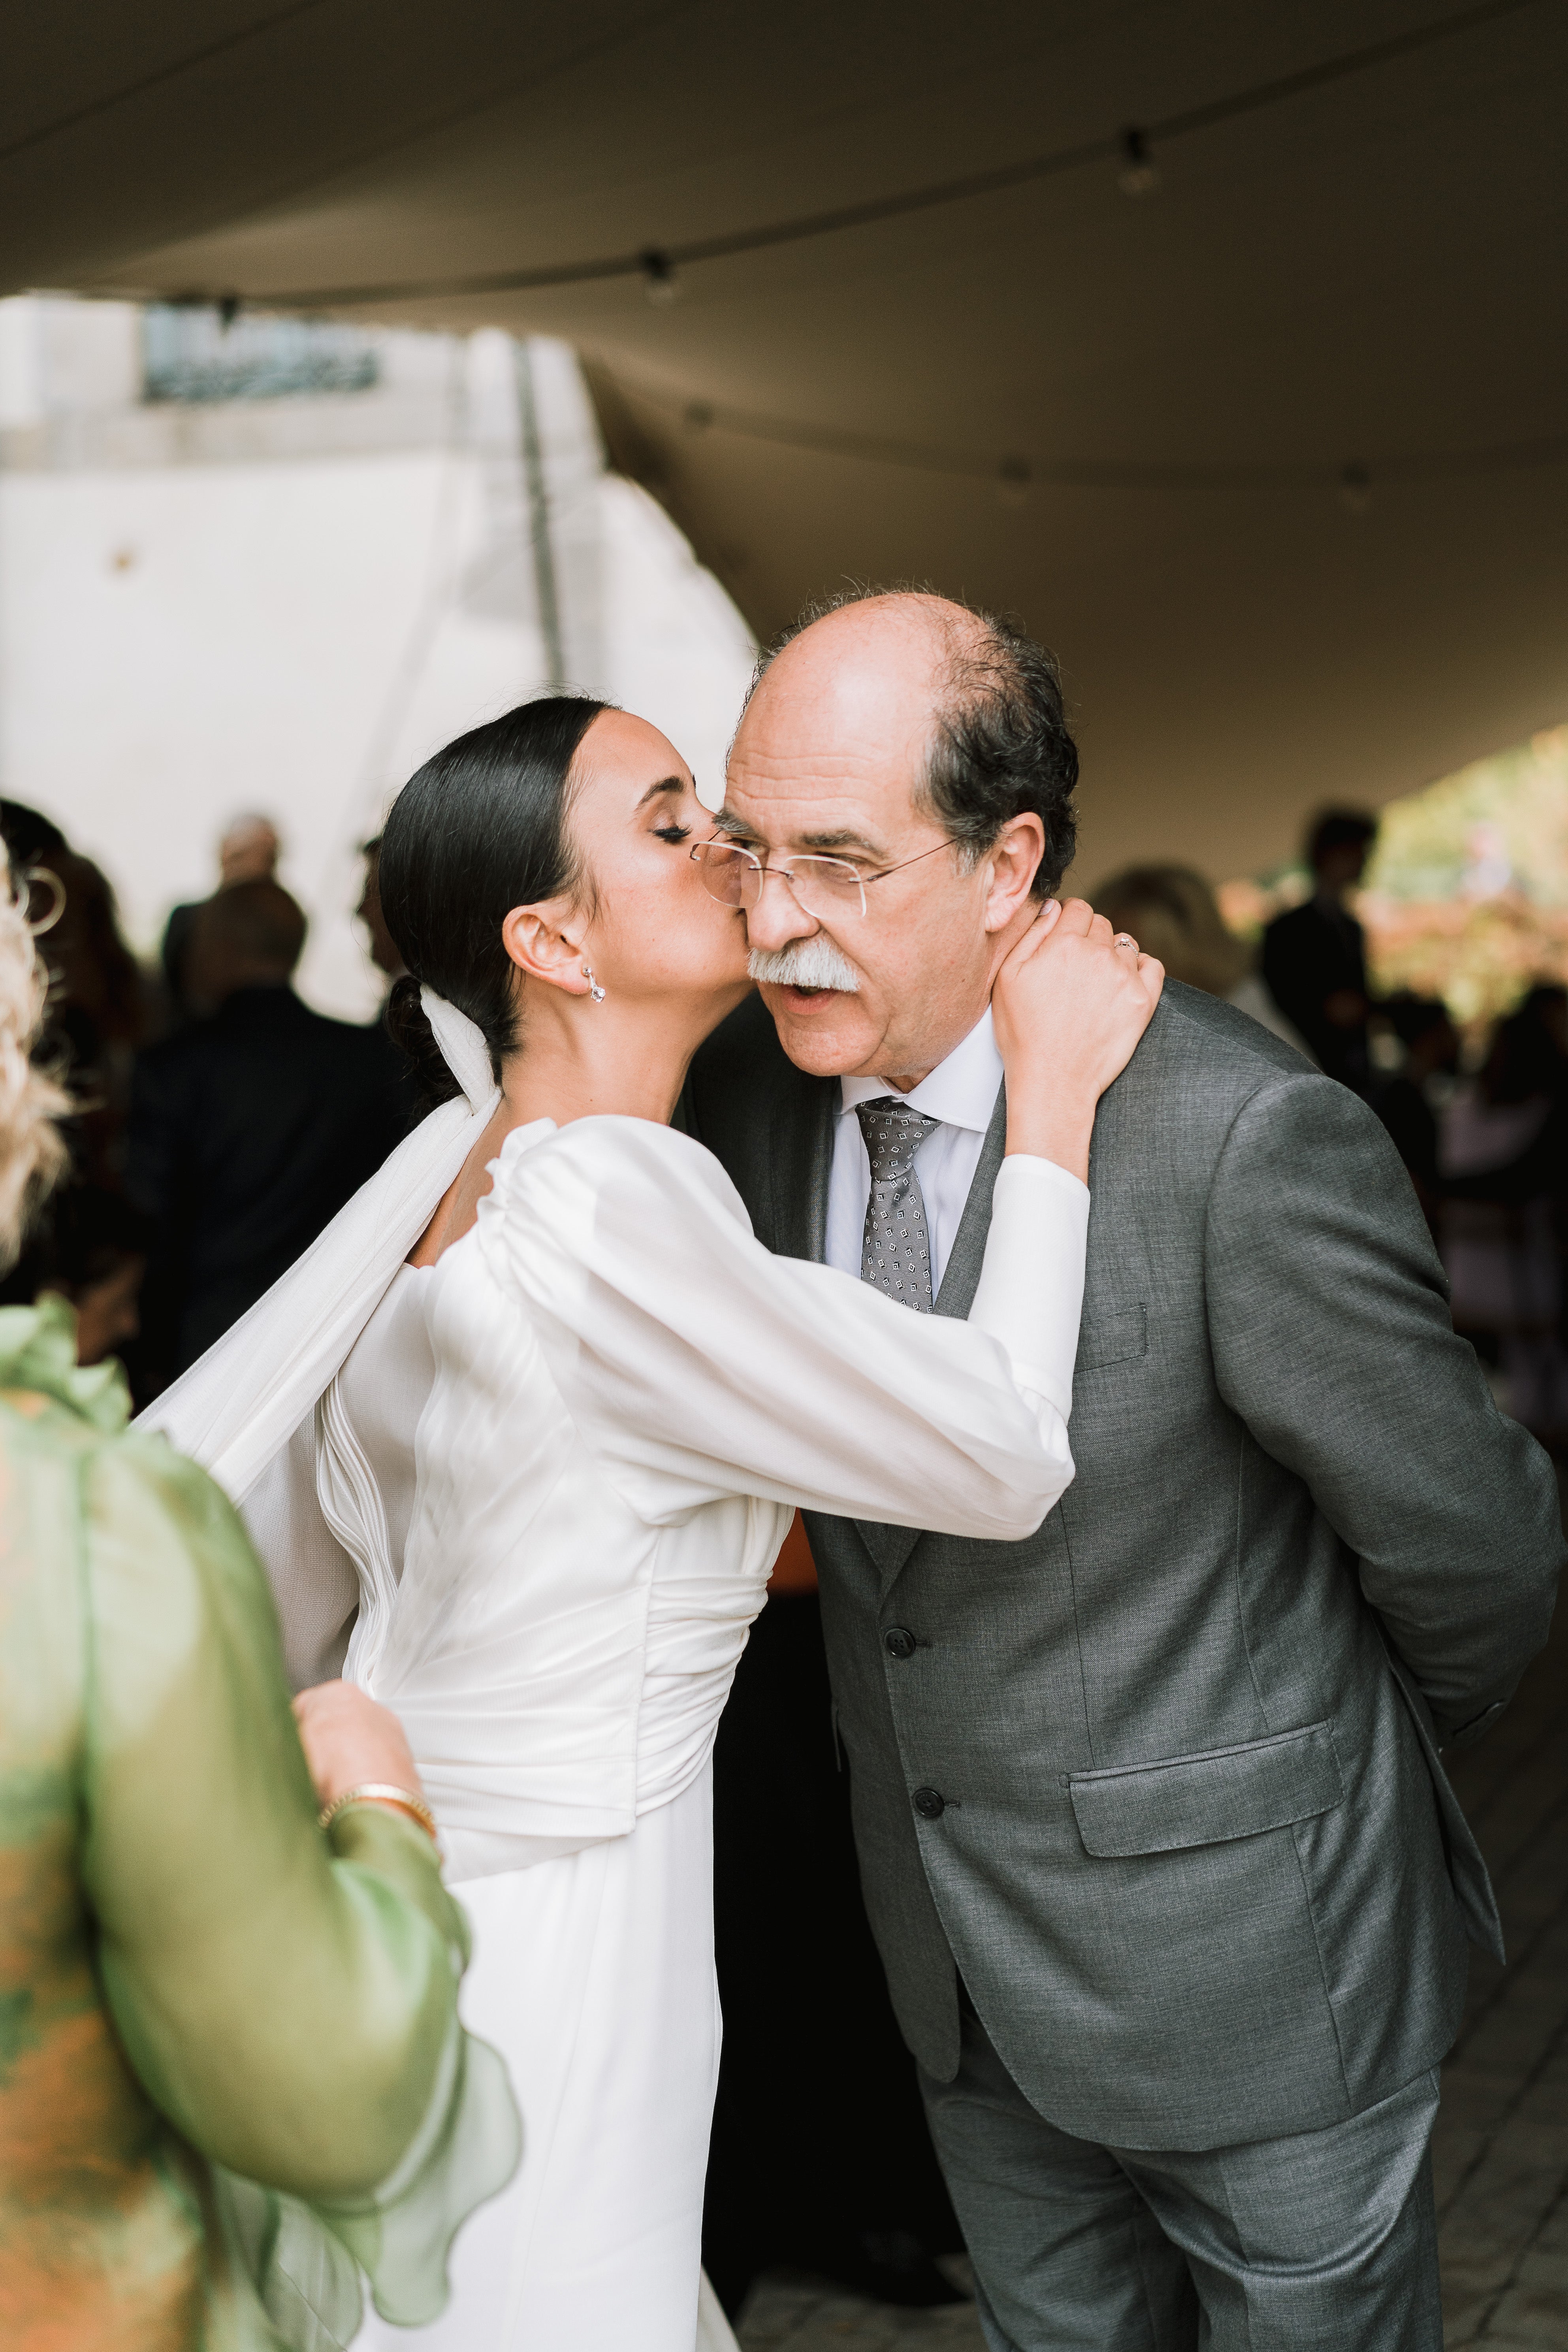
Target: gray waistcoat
[[1162, 1781]]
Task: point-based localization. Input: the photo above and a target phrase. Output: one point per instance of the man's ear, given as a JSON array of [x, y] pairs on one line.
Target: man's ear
[[537, 939], [1014, 859]]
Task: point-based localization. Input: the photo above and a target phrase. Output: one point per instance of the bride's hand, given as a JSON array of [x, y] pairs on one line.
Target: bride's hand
[[349, 1740], [1068, 1007]]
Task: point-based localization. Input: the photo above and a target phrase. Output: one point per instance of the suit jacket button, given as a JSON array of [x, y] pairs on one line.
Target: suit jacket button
[[900, 1642], [929, 1803]]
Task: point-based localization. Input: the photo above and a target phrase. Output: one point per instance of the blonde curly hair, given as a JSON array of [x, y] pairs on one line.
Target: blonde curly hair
[[31, 1152]]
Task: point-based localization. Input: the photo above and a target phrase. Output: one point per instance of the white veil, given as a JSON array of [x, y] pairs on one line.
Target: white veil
[[238, 1405]]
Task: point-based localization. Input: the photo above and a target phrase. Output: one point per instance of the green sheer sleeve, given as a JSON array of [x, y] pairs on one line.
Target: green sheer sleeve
[[288, 1999]]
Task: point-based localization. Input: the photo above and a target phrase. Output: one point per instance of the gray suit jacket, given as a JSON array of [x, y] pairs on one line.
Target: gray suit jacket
[[1162, 1779]]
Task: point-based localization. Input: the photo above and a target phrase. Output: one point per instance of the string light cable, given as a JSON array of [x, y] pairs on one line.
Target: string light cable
[[1015, 475], [1132, 147]]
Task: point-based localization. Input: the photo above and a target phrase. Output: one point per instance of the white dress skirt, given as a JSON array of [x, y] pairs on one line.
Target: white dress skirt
[[563, 1461]]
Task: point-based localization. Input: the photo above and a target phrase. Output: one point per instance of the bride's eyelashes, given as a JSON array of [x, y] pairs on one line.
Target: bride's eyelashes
[[673, 833]]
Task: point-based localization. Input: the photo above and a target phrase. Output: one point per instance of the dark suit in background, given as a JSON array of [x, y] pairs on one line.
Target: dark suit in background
[[249, 1132], [1314, 962], [247, 853]]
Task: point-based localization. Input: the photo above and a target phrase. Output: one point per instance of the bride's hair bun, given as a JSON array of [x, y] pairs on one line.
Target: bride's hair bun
[[480, 829], [410, 1032]]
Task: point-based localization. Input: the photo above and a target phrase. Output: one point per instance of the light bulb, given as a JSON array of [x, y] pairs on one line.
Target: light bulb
[[1355, 487], [660, 283], [1140, 174]]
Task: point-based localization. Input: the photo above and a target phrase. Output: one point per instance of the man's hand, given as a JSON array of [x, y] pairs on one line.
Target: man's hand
[[1068, 1007]]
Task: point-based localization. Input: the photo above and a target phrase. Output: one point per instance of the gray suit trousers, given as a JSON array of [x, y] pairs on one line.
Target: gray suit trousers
[[1319, 2241]]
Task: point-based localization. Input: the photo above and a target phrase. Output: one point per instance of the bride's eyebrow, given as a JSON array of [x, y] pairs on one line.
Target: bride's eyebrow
[[665, 784]]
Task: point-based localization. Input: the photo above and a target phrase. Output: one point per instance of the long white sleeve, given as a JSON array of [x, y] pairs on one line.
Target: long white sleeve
[[1030, 1293], [698, 1365]]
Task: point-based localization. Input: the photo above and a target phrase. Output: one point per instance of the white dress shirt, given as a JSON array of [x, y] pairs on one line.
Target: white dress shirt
[[961, 1093]]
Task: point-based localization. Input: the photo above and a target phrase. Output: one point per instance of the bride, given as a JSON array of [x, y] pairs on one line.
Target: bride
[[527, 1425]]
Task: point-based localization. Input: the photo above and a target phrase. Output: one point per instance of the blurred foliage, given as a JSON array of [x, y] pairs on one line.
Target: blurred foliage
[[1247, 905], [1467, 893], [1481, 956], [1512, 809]]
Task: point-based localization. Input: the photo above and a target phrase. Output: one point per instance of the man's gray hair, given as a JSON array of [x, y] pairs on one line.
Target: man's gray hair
[[1000, 742]]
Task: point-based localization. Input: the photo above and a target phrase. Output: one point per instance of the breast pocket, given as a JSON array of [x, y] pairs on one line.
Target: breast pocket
[[1114, 1339]]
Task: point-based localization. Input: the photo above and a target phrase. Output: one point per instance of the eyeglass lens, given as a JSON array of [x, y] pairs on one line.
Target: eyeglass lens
[[736, 879]]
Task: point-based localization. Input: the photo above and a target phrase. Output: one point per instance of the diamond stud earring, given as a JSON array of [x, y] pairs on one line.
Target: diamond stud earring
[[594, 991]]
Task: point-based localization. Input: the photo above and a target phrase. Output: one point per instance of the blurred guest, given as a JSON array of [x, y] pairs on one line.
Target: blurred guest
[[384, 950], [402, 1075], [250, 1129], [98, 1016], [88, 1244], [247, 851], [1173, 914], [1314, 958], [95, 1255], [89, 1247], [1407, 1103], [1504, 1137], [97, 1013], [1503, 1167], [200, 1992], [30, 837]]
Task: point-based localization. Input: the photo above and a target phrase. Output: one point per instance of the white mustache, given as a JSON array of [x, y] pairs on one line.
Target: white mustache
[[804, 963]]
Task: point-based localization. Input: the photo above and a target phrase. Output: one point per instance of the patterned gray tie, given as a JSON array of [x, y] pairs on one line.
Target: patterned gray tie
[[895, 1254]]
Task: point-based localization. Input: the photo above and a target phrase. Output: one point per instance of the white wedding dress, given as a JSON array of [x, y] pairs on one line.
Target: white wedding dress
[[563, 1461]]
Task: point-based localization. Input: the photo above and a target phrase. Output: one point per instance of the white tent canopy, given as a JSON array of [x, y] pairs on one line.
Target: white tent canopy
[[1273, 451]]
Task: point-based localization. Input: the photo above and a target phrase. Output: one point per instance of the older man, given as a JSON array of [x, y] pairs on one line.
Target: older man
[[1171, 1889]]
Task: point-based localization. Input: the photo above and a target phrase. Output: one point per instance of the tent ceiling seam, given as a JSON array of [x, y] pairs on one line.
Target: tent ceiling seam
[[171, 72]]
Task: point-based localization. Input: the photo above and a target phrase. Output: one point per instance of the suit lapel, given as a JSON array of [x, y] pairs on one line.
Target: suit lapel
[[961, 1276], [890, 1546]]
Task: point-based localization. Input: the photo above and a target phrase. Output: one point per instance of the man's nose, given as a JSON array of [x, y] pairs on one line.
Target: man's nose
[[778, 916]]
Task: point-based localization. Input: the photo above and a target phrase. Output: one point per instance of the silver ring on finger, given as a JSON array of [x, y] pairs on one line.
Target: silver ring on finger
[[1124, 940]]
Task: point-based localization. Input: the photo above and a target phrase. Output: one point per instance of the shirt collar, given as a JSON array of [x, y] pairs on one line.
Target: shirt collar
[[960, 1092]]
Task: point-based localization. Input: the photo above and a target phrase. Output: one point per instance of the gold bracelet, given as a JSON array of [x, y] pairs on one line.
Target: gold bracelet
[[384, 1792]]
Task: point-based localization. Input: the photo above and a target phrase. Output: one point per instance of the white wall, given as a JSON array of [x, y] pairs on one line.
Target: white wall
[[198, 615]]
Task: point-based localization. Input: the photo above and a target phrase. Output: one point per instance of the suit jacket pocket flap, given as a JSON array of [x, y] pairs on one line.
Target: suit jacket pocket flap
[[1225, 1792], [1114, 1339]]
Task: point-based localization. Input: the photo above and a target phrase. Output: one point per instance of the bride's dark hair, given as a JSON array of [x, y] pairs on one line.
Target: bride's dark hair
[[480, 829]]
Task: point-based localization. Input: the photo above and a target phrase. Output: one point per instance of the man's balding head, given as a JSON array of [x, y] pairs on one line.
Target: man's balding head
[[978, 703], [886, 729]]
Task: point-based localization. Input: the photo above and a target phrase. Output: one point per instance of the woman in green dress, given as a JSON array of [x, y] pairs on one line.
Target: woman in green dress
[[231, 2072]]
